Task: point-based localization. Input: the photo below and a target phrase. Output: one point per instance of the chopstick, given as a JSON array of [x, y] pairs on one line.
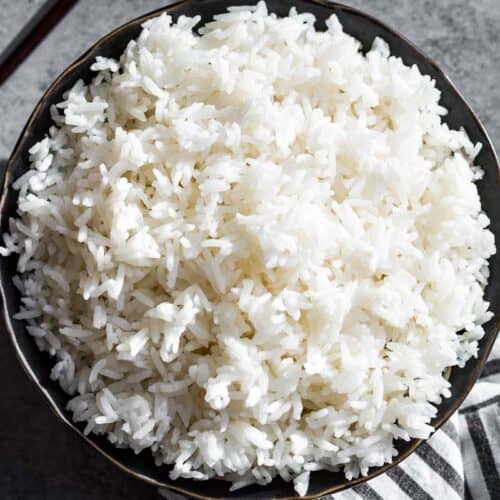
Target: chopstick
[[35, 30]]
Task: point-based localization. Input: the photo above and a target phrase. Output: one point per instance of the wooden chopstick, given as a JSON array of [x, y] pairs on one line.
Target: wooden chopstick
[[35, 30]]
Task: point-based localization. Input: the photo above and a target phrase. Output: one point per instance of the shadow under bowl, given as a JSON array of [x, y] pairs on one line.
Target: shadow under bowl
[[38, 365]]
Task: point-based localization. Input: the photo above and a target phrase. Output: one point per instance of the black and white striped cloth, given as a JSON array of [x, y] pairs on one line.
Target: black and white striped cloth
[[460, 461]]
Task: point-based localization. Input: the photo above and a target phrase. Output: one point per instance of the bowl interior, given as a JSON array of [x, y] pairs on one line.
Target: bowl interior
[[365, 29]]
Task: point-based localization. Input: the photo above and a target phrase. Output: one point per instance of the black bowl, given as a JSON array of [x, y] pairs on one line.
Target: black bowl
[[38, 365]]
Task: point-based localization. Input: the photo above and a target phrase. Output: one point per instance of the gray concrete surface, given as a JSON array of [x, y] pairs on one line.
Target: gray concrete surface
[[13, 16], [38, 458]]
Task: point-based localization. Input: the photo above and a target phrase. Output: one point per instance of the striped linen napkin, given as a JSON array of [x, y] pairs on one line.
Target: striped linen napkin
[[460, 461]]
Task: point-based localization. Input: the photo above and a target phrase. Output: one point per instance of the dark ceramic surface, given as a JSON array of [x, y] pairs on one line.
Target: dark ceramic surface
[[361, 26]]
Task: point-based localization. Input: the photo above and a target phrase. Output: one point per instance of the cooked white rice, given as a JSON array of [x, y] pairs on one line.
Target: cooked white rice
[[256, 251]]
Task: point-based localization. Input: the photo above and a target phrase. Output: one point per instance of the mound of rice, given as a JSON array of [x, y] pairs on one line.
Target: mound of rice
[[254, 251]]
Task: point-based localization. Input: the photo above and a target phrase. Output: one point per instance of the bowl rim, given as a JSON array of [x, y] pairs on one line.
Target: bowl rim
[[6, 320]]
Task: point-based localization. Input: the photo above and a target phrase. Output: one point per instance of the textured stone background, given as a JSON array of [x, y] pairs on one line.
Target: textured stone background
[[39, 459], [14, 15]]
